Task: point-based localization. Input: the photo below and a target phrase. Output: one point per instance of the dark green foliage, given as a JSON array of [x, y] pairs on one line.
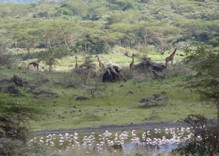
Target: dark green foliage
[[144, 1], [92, 14], [8, 146], [44, 14], [206, 137], [91, 45], [4, 59], [121, 4], [65, 9], [205, 62], [15, 115]]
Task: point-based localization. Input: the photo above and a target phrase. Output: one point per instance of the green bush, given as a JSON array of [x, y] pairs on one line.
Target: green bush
[[205, 140], [15, 115]]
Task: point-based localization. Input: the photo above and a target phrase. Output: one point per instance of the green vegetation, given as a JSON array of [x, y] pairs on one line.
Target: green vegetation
[[52, 32], [97, 26], [112, 104], [55, 34], [209, 133], [205, 63], [15, 115]]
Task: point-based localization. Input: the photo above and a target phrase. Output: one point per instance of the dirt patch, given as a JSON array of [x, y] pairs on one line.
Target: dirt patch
[[81, 98]]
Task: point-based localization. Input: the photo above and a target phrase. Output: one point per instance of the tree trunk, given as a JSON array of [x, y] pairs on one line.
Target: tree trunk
[[218, 113]]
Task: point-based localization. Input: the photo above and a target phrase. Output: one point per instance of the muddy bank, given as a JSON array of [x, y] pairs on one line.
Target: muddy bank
[[143, 126]]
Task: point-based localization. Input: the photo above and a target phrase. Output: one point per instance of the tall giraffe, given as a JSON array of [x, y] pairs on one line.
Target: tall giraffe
[[101, 65], [76, 62], [170, 58], [131, 66]]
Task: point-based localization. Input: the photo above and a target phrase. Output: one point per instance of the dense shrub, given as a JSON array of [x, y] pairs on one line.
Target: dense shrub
[[4, 59], [70, 80], [205, 140], [177, 70], [126, 74], [14, 117]]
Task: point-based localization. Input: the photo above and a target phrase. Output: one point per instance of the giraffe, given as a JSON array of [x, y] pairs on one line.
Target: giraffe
[[131, 66], [101, 65], [34, 64], [114, 67], [170, 58], [76, 62]]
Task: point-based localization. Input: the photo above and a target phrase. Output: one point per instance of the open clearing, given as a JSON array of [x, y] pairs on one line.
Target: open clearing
[[115, 103]]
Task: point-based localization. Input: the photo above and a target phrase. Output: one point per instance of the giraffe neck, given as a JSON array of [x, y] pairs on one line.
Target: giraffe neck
[[101, 65], [99, 60], [76, 62], [172, 55], [133, 58]]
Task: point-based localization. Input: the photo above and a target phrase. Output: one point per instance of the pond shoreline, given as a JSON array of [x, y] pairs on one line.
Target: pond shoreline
[[143, 126]]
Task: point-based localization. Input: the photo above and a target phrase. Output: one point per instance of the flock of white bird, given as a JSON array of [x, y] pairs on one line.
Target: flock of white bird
[[114, 141]]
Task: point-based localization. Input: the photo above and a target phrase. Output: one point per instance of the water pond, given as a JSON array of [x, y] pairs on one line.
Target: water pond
[[150, 142]]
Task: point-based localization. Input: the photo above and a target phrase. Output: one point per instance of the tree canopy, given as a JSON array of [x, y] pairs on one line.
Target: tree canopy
[[107, 23], [205, 62]]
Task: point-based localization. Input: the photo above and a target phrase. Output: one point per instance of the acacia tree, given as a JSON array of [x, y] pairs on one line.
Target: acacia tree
[[24, 33], [26, 39], [205, 62], [51, 56], [57, 36]]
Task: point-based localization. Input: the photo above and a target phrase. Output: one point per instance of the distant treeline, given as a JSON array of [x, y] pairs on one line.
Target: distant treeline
[[95, 26]]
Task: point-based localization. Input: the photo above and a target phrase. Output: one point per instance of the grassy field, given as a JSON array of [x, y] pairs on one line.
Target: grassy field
[[112, 102], [120, 108]]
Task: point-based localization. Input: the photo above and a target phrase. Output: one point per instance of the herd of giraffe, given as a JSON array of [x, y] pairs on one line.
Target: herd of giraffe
[[102, 66]]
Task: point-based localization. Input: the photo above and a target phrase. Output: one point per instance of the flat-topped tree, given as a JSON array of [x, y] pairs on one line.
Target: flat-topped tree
[[51, 56]]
